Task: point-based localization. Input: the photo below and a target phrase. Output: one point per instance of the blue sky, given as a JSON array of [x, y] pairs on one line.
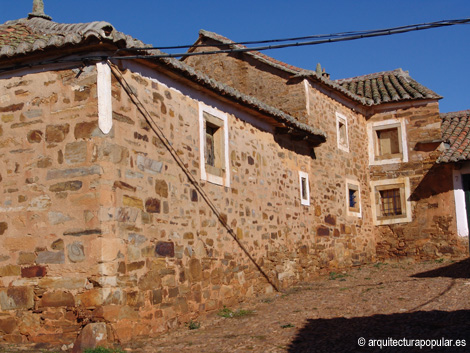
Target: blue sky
[[437, 58]]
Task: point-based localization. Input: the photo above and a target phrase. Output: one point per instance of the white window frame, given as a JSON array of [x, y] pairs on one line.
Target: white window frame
[[223, 180], [349, 212], [406, 217], [304, 201], [372, 127], [341, 119]]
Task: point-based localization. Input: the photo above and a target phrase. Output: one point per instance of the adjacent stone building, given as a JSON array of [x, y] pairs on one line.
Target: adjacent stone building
[[139, 193], [386, 123]]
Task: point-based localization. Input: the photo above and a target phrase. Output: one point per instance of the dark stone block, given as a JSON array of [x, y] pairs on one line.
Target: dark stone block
[[79, 233], [33, 271], [11, 108], [3, 227], [157, 296], [166, 249], [330, 220], [152, 205], [323, 231]]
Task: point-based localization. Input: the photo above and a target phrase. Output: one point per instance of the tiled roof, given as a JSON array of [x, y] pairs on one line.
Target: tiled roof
[[295, 71], [28, 35], [369, 90], [456, 135], [387, 86]]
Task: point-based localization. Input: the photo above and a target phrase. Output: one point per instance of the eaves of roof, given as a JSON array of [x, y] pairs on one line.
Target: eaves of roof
[[230, 92], [27, 36], [387, 87], [455, 129]]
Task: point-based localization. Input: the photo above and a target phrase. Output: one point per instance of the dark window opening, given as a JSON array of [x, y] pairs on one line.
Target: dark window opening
[[304, 188], [390, 202]]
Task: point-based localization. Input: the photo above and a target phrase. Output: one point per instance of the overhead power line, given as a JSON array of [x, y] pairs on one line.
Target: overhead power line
[[319, 39]]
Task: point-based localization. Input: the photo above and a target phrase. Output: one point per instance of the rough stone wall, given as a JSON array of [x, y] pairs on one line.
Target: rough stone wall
[[248, 76], [108, 228], [333, 168], [179, 260], [50, 210], [432, 232]]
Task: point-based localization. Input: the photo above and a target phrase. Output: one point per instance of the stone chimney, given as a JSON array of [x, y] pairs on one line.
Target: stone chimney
[[38, 11]]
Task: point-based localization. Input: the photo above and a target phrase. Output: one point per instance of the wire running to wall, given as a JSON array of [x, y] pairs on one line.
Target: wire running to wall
[[153, 125]]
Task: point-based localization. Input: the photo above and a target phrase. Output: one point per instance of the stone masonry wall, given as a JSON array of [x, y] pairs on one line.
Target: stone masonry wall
[[250, 77], [333, 168], [432, 232], [179, 261], [50, 221], [338, 235], [108, 228]]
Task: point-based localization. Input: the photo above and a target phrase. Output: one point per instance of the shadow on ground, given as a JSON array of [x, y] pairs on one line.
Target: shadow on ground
[[342, 335], [459, 269]]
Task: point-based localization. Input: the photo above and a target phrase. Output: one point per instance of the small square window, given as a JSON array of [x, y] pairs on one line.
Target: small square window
[[387, 142], [390, 202], [353, 195], [214, 146], [304, 189], [342, 132], [390, 198]]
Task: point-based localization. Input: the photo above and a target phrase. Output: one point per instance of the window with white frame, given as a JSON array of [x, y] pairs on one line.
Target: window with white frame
[[342, 132], [353, 198], [387, 142], [304, 189], [390, 200], [213, 134]]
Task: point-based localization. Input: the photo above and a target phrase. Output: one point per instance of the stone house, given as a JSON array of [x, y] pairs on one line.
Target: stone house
[[139, 193], [396, 120]]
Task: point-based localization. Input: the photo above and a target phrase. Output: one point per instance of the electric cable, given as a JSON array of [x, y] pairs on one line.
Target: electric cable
[[365, 33]]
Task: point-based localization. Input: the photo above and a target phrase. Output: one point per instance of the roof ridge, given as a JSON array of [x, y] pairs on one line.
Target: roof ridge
[[398, 71], [456, 114]]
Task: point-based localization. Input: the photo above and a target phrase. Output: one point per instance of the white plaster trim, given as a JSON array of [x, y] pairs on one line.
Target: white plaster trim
[[105, 105], [195, 94], [215, 179], [407, 217], [404, 144], [341, 118], [460, 206], [355, 183], [305, 202], [307, 96]]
